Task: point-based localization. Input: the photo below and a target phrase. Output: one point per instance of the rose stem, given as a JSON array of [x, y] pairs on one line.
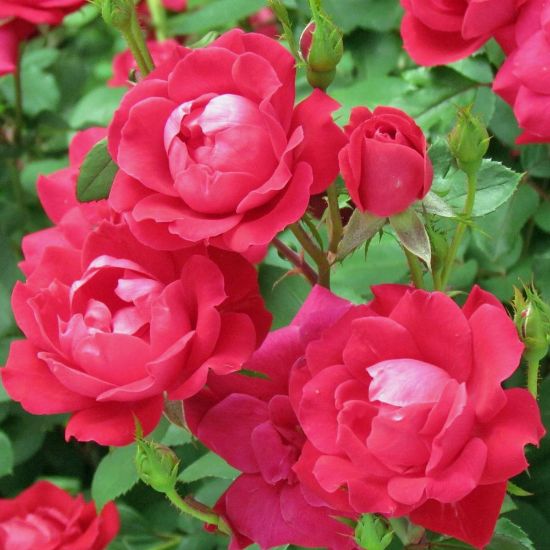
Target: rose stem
[[316, 253], [466, 214], [334, 221], [415, 269], [158, 15], [198, 511], [297, 260], [533, 377]]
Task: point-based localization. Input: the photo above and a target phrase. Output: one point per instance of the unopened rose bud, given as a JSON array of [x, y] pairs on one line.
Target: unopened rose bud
[[157, 465], [372, 533], [117, 13], [469, 141], [321, 47], [532, 319]]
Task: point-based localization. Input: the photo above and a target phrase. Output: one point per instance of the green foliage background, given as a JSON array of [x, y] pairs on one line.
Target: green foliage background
[[64, 71]]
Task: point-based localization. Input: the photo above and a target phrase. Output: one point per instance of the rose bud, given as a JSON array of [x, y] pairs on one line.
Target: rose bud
[[468, 141], [385, 164], [157, 465], [322, 48]]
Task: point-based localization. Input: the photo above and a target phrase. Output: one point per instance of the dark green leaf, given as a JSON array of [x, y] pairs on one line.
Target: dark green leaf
[[96, 174], [115, 475], [209, 465], [6, 455], [509, 536]]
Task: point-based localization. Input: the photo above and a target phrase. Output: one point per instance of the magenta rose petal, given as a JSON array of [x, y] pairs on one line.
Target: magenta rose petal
[[111, 423], [497, 352], [516, 424], [29, 381], [472, 519]]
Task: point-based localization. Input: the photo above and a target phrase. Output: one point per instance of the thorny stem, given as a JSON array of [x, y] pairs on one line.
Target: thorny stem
[[533, 377], [296, 260], [315, 252], [415, 269], [197, 510]]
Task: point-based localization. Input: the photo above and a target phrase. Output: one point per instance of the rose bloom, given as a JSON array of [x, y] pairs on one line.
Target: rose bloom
[[250, 423], [523, 81], [57, 193], [113, 327], [404, 414], [211, 148], [124, 62], [436, 32], [385, 165], [46, 517], [18, 20]]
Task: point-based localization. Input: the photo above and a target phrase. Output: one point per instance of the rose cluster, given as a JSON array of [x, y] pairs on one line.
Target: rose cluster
[[437, 32], [393, 407]]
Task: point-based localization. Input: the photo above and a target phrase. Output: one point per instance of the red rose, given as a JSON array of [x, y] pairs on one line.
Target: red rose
[[250, 423], [124, 63], [385, 165], [523, 81], [18, 19], [402, 406], [211, 148], [57, 194], [436, 32], [44, 516], [114, 326]]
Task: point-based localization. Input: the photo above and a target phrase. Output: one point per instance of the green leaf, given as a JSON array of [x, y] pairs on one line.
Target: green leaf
[[411, 232], [542, 217], [253, 374], [368, 14], [535, 159], [498, 232], [513, 489], [96, 174], [6, 455], [474, 68], [495, 185], [434, 204], [115, 475], [217, 14], [96, 108], [209, 465], [508, 536], [361, 227]]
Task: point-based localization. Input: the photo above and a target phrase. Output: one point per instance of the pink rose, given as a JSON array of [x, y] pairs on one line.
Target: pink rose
[[523, 81], [18, 19], [57, 193], [112, 327], [264, 21], [402, 405], [211, 148], [251, 424], [124, 63], [44, 516], [385, 165], [436, 32]]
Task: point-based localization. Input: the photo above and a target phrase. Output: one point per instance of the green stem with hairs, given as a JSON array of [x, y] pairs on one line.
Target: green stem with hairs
[[460, 230], [533, 377], [199, 511], [158, 15], [334, 220]]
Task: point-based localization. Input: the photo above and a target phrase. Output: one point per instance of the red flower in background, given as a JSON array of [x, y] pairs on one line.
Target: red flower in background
[[523, 81], [18, 20], [57, 193], [113, 326], [250, 423], [385, 165], [436, 32], [402, 406], [124, 62], [46, 517], [211, 148]]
